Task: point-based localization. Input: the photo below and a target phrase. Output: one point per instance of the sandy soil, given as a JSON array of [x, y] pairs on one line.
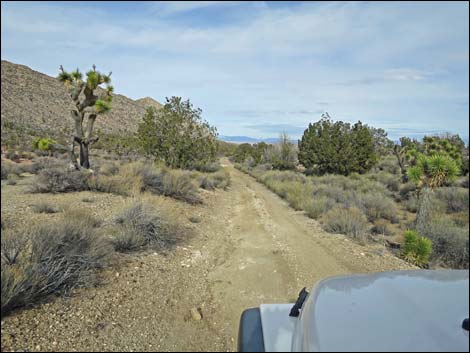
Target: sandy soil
[[249, 248]]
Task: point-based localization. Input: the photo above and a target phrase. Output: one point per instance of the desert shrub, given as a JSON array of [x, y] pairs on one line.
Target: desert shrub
[[59, 180], [316, 206], [11, 181], [109, 169], [450, 242], [349, 221], [391, 181], [460, 219], [381, 227], [44, 207], [406, 190], [109, 184], [389, 165], [379, 206], [412, 204], [298, 194], [178, 185], [56, 258], [416, 249], [127, 182], [9, 169], [220, 180], [41, 163], [435, 205], [249, 163], [168, 182], [140, 226], [210, 167], [12, 155], [456, 199], [264, 167], [12, 244], [4, 172], [282, 155], [82, 216], [464, 182], [348, 198]]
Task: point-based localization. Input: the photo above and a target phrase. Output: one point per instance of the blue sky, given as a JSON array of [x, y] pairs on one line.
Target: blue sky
[[259, 68]]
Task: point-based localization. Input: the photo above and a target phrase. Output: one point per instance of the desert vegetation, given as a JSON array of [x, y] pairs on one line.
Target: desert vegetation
[[356, 182], [173, 154]]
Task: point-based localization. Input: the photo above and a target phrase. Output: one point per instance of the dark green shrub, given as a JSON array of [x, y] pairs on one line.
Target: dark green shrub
[[337, 147], [177, 135]]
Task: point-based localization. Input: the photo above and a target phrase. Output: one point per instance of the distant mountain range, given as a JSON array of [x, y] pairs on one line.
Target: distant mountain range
[[247, 139]]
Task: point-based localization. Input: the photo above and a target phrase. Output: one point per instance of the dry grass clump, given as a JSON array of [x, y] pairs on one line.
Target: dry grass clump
[[48, 259], [217, 180], [44, 207], [58, 180], [141, 226]]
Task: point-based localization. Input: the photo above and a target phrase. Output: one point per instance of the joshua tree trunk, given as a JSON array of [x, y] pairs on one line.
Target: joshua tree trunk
[[422, 217], [401, 162], [82, 139]]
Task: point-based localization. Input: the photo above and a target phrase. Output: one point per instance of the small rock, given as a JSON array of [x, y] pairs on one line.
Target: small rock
[[196, 314], [117, 274]]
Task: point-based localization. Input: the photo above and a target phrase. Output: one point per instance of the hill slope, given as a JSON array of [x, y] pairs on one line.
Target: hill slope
[[36, 104]]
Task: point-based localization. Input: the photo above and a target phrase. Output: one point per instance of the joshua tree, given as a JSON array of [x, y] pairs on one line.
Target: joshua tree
[[87, 107], [429, 173]]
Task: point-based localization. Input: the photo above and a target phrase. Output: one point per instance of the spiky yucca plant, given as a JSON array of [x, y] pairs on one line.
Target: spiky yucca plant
[[416, 249], [87, 107]]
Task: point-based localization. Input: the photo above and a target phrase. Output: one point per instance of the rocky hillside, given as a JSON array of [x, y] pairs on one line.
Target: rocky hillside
[[34, 103]]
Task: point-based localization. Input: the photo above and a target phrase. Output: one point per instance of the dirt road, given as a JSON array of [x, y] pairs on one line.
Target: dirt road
[[249, 248]]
